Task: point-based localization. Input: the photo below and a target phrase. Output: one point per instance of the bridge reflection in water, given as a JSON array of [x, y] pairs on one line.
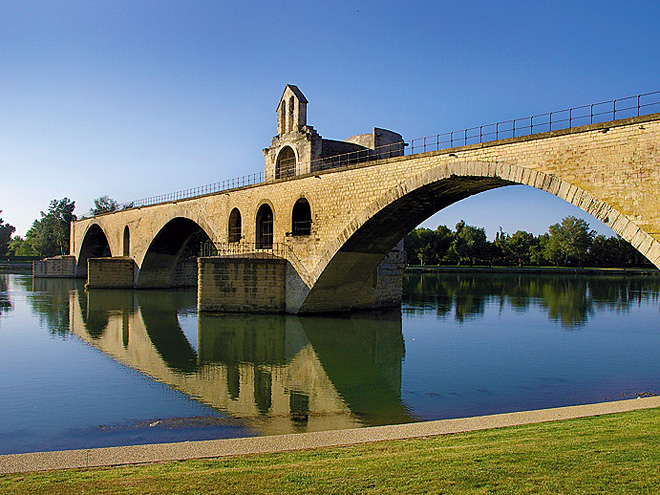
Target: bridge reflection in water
[[276, 374]]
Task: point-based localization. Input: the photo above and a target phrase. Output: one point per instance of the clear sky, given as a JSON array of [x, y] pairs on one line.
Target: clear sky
[[134, 99]]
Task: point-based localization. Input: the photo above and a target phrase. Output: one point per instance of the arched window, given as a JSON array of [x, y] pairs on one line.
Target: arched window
[[290, 118], [127, 241], [301, 218], [282, 122], [234, 226], [286, 163], [264, 227]]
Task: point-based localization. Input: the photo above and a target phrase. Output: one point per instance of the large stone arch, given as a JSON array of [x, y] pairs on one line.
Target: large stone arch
[[349, 260], [94, 245], [161, 265]]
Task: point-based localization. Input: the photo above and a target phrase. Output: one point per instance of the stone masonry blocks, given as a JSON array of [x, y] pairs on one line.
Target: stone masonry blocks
[[242, 284], [110, 273]]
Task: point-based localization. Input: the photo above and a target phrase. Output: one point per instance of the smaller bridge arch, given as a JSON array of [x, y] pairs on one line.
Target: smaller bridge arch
[[170, 260], [94, 245]]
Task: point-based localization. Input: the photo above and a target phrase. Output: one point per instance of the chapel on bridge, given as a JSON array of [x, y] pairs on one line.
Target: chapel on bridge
[[298, 149]]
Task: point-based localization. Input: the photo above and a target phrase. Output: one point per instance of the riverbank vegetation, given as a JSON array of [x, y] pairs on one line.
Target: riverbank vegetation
[[616, 454], [569, 243], [49, 235]]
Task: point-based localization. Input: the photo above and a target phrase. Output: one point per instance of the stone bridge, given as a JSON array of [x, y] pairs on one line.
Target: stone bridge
[[317, 237]]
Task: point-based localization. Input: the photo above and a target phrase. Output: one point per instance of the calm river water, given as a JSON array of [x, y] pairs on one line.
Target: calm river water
[[87, 369]]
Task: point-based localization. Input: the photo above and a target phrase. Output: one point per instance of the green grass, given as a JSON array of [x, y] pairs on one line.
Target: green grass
[[609, 454]]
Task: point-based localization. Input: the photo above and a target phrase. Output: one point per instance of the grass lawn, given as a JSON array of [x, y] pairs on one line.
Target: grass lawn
[[609, 454]]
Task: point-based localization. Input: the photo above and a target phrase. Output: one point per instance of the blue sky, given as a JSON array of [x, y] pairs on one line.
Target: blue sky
[[134, 99]]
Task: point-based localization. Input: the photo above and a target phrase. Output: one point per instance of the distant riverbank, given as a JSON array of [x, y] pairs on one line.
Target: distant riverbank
[[547, 270], [15, 267], [23, 267]]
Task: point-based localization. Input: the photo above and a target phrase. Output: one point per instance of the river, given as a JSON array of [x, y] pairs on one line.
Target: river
[[96, 368]]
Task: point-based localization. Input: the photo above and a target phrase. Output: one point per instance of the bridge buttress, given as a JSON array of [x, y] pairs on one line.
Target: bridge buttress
[[111, 273]]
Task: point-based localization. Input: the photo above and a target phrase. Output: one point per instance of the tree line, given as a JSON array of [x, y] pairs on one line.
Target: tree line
[[569, 243]]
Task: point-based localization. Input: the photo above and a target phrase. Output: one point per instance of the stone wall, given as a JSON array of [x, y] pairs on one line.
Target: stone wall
[[185, 273], [242, 284], [56, 267], [110, 273]]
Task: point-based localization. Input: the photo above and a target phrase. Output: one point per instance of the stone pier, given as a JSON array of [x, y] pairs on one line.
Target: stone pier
[[111, 273]]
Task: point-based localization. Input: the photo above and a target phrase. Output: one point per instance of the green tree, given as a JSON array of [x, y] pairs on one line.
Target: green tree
[[537, 250], [519, 245], [418, 246], [569, 241], [104, 204], [15, 245], [470, 243], [6, 231], [49, 236], [442, 241]]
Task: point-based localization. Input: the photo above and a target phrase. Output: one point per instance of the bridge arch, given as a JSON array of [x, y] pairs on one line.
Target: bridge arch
[[94, 245], [349, 261], [169, 259]]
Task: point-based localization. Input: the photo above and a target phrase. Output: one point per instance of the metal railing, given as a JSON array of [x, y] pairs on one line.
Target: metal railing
[[631, 106]]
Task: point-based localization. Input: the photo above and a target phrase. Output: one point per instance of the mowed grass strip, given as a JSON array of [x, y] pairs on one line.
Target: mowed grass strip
[[608, 454]]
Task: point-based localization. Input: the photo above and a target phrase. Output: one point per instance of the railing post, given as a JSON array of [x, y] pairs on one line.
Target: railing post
[[613, 109], [497, 131], [465, 137], [638, 96], [531, 125], [550, 121], [591, 113], [451, 139], [480, 133], [570, 118], [514, 128]]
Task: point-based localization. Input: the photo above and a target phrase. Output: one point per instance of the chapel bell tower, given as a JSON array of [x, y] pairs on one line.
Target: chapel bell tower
[[296, 144]]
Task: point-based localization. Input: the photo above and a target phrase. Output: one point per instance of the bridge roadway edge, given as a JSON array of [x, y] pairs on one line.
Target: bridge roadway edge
[[210, 449]]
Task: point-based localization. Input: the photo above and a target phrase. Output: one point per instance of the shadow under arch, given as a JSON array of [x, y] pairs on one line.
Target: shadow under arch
[[170, 260], [94, 245], [348, 263]]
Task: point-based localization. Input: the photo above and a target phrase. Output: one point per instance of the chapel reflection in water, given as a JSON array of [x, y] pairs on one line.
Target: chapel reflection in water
[[276, 373]]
